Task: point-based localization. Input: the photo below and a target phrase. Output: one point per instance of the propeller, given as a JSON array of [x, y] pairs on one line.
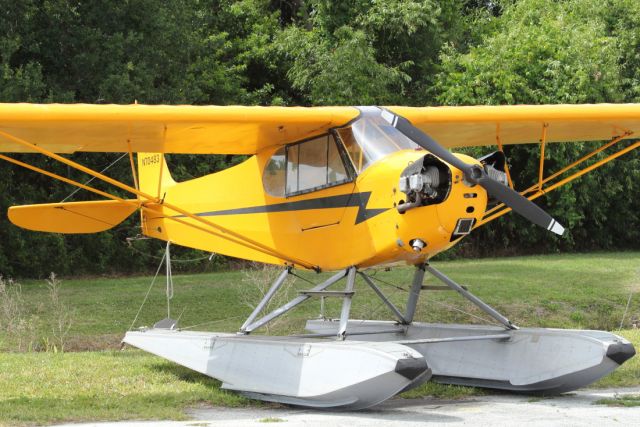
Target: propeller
[[475, 174]]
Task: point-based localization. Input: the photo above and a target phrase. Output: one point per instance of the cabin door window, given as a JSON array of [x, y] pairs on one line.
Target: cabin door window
[[313, 165], [317, 177]]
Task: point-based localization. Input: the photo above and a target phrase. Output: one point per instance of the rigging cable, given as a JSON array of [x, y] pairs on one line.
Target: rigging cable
[[398, 288], [93, 177], [133, 248], [147, 295], [169, 290], [625, 311]]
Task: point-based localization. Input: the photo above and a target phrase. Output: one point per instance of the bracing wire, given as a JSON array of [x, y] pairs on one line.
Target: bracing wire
[[147, 295], [399, 288], [202, 258], [210, 322], [377, 279], [169, 290], [484, 320], [626, 309], [93, 177], [292, 273]]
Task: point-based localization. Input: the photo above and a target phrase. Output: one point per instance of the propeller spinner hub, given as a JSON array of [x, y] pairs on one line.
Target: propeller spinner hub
[[474, 173]]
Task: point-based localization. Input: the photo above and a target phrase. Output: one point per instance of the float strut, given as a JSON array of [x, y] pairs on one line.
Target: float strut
[[469, 296], [384, 299], [346, 303], [249, 327], [265, 300], [414, 294]]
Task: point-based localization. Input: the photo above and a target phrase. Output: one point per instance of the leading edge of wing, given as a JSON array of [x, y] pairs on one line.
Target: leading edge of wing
[[466, 126], [67, 128]]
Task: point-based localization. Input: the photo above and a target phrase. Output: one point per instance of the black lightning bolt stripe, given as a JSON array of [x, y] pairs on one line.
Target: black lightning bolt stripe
[[358, 200]]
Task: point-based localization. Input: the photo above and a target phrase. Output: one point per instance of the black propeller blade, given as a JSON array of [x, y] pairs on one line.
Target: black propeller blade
[[475, 174]]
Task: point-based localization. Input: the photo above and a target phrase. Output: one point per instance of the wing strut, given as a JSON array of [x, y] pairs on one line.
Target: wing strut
[[501, 149], [538, 189], [222, 232]]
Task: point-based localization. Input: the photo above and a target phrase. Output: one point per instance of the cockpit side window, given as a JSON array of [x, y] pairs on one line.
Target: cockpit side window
[[314, 164], [274, 173], [358, 156], [306, 166]]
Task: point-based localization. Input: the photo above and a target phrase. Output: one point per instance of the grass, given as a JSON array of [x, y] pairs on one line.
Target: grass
[[570, 291], [628, 400], [47, 387], [443, 391]]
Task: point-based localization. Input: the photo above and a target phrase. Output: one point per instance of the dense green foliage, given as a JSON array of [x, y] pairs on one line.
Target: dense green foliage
[[572, 51], [315, 52]]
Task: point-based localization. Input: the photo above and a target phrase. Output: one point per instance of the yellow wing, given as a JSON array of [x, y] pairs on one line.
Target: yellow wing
[[522, 124], [66, 128]]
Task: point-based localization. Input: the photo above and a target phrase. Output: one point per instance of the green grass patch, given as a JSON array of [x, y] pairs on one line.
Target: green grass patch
[[442, 391], [586, 291], [627, 400], [39, 388]]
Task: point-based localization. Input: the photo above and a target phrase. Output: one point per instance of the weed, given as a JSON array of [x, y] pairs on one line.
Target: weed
[[577, 317], [17, 325], [626, 400], [60, 313]]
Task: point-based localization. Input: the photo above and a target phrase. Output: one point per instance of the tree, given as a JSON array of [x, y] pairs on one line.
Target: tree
[[544, 51], [316, 52], [369, 52]]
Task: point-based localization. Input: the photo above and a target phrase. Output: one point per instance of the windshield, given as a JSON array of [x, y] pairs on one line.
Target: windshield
[[371, 138]]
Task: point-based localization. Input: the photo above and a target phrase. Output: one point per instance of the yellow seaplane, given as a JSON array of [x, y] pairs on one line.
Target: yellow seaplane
[[336, 189]]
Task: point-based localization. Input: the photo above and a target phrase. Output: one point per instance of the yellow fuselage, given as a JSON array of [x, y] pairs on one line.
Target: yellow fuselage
[[352, 224]]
